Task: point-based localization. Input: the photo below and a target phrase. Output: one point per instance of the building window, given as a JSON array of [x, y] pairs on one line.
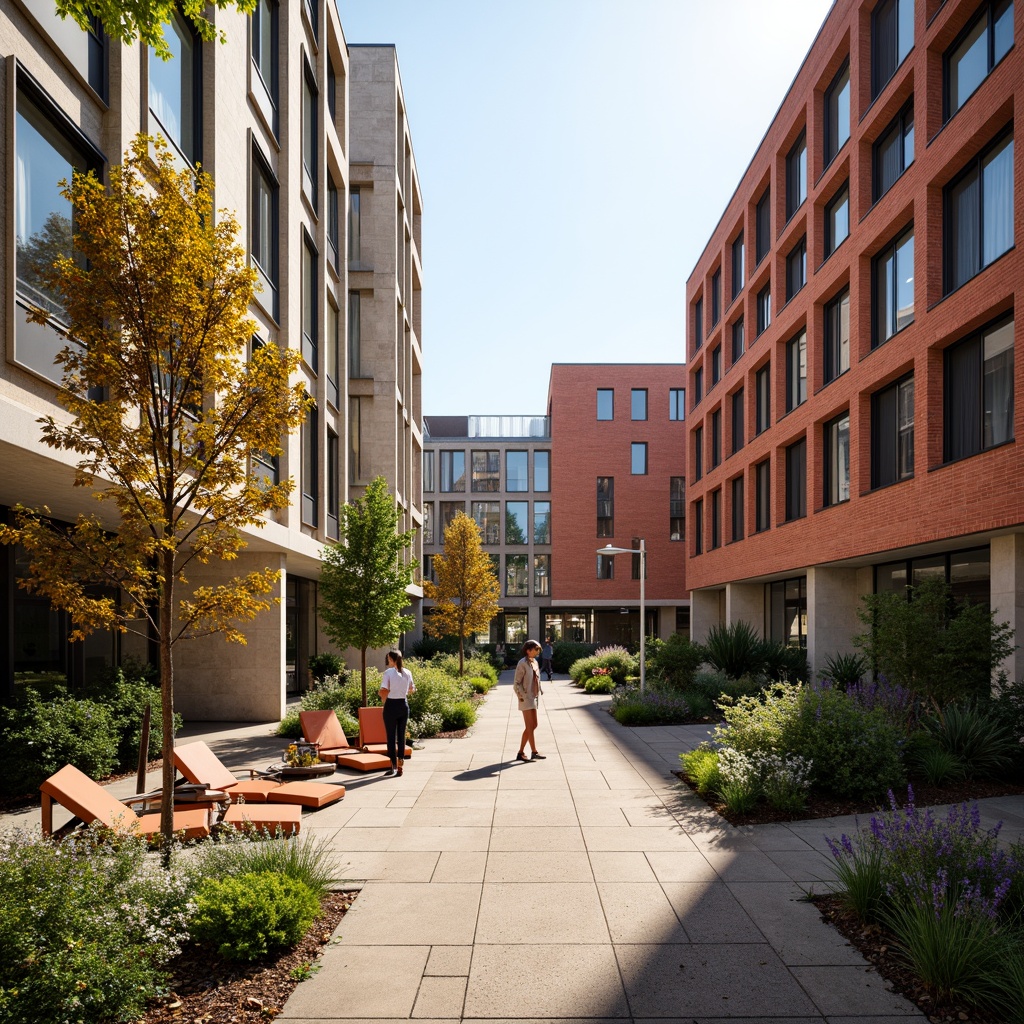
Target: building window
[[638, 458], [175, 88], [517, 582], [893, 278], [331, 355], [517, 526], [738, 423], [892, 36], [979, 213], [517, 474], [786, 608], [677, 403], [428, 472], [84, 49], [893, 153], [541, 575], [837, 336], [737, 339], [763, 225], [977, 50], [892, 433], [428, 521], [542, 522], [738, 511], [763, 496], [837, 460], [309, 136], [449, 510], [837, 220], [764, 308], [332, 89], [698, 323], [542, 471], [355, 330], [355, 439], [763, 399], [796, 371], [796, 268], [487, 516], [716, 365], [716, 438], [796, 480], [605, 403], [486, 471], [738, 265], [796, 176], [310, 467], [698, 453], [333, 491], [716, 519], [333, 213], [264, 229], [355, 229], [676, 507], [837, 113], [310, 7], [606, 506], [606, 567], [698, 527], [453, 471], [638, 404], [698, 385], [979, 400], [428, 565], [635, 561], [716, 297], [310, 294]]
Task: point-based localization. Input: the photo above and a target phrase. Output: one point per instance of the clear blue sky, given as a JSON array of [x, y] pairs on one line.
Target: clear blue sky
[[574, 157]]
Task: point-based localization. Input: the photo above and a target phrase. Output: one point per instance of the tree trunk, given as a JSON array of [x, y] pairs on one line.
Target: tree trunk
[[362, 654], [165, 619], [461, 648]]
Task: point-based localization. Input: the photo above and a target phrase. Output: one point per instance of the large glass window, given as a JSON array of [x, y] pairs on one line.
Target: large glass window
[[979, 213], [737, 339], [716, 519], [976, 51], [311, 467], [310, 294], [605, 403], [264, 241], [892, 433], [428, 524], [355, 333], [677, 403], [716, 438], [449, 510], [638, 458], [892, 36], [738, 422], [331, 354], [638, 404], [837, 220], [796, 176], [174, 88], [763, 224], [716, 365], [786, 611], [698, 453], [486, 471], [355, 439], [333, 491], [763, 496], [428, 472], [796, 268], [333, 213], [517, 471], [542, 471], [677, 507], [541, 575], [893, 278], [893, 153], [606, 567], [698, 385], [837, 335], [796, 371], [85, 50], [837, 113], [542, 522], [738, 511], [310, 146], [517, 526], [605, 506], [264, 44], [763, 399], [979, 399], [716, 297], [698, 527], [837, 460], [796, 480], [517, 581], [453, 471], [698, 323], [487, 515], [355, 230], [738, 265], [764, 309]]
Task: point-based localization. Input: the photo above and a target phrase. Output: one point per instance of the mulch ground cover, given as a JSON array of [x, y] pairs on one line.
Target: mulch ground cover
[[207, 990]]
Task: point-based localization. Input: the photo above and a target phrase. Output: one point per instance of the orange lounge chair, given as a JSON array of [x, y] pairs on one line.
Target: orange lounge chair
[[373, 737], [198, 763], [323, 727], [264, 818], [90, 802]]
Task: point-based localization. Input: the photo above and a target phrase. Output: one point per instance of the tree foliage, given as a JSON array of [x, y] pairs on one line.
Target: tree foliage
[[127, 20], [466, 593], [364, 582], [156, 303]]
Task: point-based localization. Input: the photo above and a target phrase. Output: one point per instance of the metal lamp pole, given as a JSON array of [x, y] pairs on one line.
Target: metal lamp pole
[[642, 552]]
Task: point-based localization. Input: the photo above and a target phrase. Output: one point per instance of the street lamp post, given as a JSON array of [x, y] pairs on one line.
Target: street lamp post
[[612, 550]]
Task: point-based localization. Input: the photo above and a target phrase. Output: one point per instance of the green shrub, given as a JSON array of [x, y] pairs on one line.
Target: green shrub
[[701, 767], [700, 705], [675, 660], [619, 662], [565, 652], [582, 669], [248, 916], [785, 662], [735, 649], [652, 707], [325, 664], [927, 760], [983, 745], [481, 684], [759, 722], [845, 669], [599, 684], [460, 715], [1006, 706], [436, 693], [428, 724], [330, 695], [429, 646], [472, 665]]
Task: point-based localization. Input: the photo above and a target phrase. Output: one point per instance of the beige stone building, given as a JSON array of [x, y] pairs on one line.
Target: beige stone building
[[308, 144]]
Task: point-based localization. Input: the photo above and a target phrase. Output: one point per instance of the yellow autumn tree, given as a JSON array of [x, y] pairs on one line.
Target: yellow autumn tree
[[466, 593], [166, 415]]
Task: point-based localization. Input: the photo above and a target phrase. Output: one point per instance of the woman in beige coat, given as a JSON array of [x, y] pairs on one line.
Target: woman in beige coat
[[527, 689]]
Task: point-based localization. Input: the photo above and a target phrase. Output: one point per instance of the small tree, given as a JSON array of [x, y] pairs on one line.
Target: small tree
[[942, 649], [157, 310], [466, 593], [364, 583]]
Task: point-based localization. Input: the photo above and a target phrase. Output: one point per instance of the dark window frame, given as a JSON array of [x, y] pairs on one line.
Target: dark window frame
[[738, 339], [796, 176], [796, 371], [833, 347], [738, 417], [887, 431], [841, 196], [796, 480], [716, 438], [901, 130], [738, 516], [878, 263], [833, 143], [763, 226], [762, 399], [796, 268], [986, 9], [763, 496], [738, 265], [832, 481], [881, 72], [633, 397], [764, 309]]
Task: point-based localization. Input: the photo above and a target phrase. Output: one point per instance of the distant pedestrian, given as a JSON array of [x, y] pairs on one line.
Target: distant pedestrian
[[395, 688], [527, 689], [547, 652]]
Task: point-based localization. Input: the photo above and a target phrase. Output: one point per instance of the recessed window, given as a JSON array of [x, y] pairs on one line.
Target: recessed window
[[716, 365], [738, 511], [605, 403], [264, 228], [355, 334], [333, 215], [698, 323], [428, 472], [605, 506], [487, 516], [716, 297], [698, 453], [541, 575], [979, 399], [264, 46], [892, 433], [453, 471], [310, 146], [892, 36], [893, 279], [738, 265], [677, 403], [762, 496], [542, 471], [763, 224], [737, 339], [716, 519], [979, 213], [698, 385], [796, 371], [517, 527], [355, 241], [763, 399], [796, 176], [606, 567], [893, 153], [332, 359], [837, 113], [310, 294], [542, 522], [976, 51], [517, 581], [738, 422], [796, 480], [796, 268], [716, 438], [837, 220], [175, 88], [698, 526], [837, 460], [677, 507], [311, 467], [486, 471], [837, 336], [428, 521], [355, 446], [638, 458], [764, 308], [638, 404], [517, 476]]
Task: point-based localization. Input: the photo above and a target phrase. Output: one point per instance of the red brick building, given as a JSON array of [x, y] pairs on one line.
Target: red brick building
[[618, 471], [850, 334]]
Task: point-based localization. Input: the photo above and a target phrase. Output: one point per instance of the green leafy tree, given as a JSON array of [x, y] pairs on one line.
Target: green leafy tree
[[364, 582], [467, 591], [157, 307]]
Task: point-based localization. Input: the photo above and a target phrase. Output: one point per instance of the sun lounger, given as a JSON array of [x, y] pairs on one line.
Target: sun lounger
[[88, 801], [323, 728], [373, 737], [264, 818]]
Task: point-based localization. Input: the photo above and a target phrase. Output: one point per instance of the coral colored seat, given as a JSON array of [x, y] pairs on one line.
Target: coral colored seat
[[323, 728], [373, 737], [265, 818], [90, 802]]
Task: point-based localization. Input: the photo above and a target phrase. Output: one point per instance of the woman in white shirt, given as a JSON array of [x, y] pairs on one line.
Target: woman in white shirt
[[395, 688], [527, 688]]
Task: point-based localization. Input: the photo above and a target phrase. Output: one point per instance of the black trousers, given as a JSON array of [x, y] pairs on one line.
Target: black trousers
[[396, 718]]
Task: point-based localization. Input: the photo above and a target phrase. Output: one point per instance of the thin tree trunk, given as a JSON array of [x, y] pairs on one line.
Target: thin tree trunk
[[165, 615], [461, 648]]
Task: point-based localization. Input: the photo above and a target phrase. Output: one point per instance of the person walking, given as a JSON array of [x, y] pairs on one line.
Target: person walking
[[527, 688], [547, 652], [395, 688]]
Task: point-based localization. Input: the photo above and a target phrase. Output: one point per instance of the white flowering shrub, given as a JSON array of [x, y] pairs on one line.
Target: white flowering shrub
[[783, 779]]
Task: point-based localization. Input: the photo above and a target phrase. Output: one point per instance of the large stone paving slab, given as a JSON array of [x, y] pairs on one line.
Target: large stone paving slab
[[548, 912], [427, 914]]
